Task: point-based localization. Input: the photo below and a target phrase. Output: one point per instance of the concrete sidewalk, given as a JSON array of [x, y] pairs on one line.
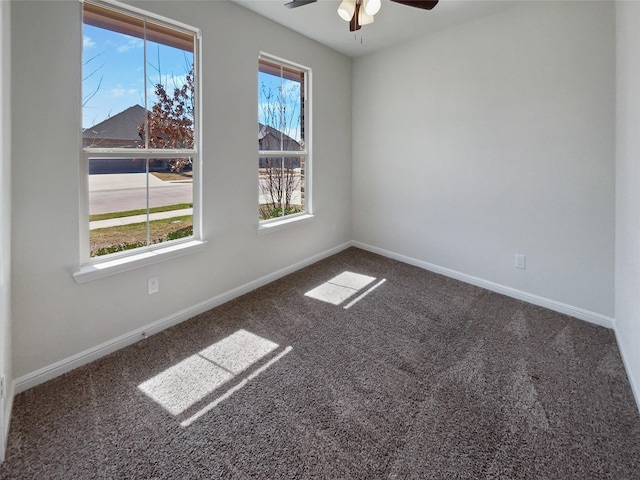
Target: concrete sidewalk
[[116, 222]]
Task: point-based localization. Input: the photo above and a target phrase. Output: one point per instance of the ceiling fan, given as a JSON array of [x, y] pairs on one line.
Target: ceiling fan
[[361, 12]]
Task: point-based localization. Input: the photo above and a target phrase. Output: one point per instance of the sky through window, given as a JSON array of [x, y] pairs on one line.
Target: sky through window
[[113, 77]]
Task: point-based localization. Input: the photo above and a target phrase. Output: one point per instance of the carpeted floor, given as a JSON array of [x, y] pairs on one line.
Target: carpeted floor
[[355, 367]]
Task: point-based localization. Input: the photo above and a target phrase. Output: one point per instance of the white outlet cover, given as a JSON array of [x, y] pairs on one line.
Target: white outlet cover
[[153, 285], [520, 261]]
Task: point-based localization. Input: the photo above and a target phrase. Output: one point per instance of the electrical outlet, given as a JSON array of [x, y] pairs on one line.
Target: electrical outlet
[[521, 261], [153, 285]]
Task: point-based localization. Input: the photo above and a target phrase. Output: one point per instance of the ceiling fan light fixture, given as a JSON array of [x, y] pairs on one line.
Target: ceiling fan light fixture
[[361, 12], [363, 18], [346, 9], [371, 7]]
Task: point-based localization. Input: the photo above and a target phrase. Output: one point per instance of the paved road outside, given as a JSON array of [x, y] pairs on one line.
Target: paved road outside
[[128, 191], [121, 192]]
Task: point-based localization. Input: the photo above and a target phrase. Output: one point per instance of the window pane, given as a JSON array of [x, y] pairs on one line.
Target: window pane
[[116, 100], [171, 199], [280, 108], [270, 187], [293, 126], [294, 184], [112, 89], [121, 194], [281, 186], [170, 92]]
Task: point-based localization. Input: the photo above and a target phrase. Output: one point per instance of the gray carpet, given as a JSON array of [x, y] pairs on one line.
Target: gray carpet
[[420, 377]]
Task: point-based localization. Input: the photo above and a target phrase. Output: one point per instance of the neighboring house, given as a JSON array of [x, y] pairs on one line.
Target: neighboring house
[[269, 139], [120, 130]]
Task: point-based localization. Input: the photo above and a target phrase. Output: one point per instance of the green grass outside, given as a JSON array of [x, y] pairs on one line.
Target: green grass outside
[[102, 239], [142, 211]]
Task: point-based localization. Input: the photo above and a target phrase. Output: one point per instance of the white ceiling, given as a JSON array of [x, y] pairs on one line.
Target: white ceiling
[[394, 23]]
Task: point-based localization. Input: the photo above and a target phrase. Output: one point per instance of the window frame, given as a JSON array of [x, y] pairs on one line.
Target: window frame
[[274, 224], [105, 265]]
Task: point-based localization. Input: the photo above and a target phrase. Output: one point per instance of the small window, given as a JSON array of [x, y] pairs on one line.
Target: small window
[[283, 139], [140, 131]]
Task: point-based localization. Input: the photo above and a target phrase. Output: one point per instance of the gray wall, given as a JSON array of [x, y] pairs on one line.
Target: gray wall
[[628, 189], [55, 318], [493, 138]]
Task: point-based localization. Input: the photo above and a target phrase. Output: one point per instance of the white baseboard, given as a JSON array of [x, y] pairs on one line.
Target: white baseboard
[[635, 387], [66, 365], [8, 408], [560, 307]]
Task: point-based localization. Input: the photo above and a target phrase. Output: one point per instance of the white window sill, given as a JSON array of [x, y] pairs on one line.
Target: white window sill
[[95, 271], [287, 222]]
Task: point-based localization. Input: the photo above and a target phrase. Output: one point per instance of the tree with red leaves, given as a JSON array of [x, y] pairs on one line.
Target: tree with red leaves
[[170, 121]]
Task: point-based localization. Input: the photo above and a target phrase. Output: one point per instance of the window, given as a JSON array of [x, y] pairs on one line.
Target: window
[[140, 132], [283, 140]]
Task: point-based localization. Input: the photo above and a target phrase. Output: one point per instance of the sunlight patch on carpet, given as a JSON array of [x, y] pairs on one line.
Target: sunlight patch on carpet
[[340, 288], [364, 294], [194, 378], [234, 389]]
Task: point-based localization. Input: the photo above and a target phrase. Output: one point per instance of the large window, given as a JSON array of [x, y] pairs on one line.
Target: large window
[[140, 131], [283, 139]]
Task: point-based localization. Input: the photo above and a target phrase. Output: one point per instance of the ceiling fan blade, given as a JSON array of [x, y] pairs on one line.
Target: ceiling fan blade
[[298, 3], [425, 4]]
